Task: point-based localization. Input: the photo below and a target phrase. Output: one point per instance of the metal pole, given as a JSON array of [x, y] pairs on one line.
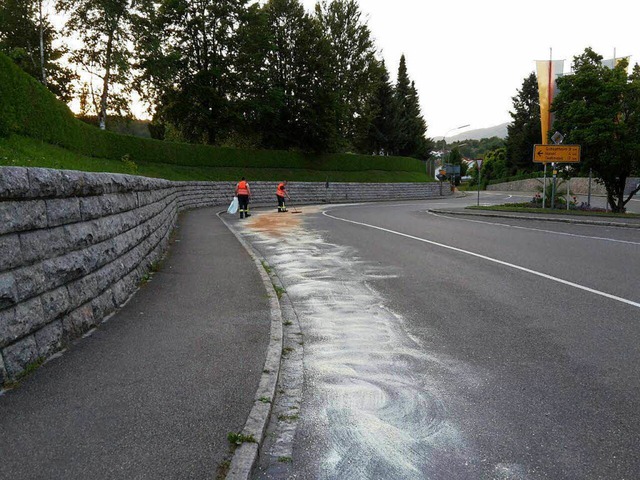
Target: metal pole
[[553, 188], [589, 194], [479, 177], [568, 193], [544, 186]]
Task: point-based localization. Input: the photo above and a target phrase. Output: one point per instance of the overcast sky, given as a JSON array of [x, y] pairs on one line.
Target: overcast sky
[[469, 57]]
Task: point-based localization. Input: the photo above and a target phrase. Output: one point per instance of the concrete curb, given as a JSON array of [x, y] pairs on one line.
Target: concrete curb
[[246, 455], [533, 217]]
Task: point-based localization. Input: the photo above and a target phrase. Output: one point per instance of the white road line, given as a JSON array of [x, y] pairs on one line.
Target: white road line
[[494, 260], [536, 229]]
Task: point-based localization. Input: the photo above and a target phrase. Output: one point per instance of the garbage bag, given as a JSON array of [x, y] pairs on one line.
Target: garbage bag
[[233, 207]]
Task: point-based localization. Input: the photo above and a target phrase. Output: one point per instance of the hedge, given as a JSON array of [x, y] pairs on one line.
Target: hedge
[[28, 108]]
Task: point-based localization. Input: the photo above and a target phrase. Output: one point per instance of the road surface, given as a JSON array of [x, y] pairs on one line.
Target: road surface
[[449, 347]]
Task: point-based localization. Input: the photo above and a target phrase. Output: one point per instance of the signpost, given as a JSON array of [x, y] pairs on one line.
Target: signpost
[[478, 168], [556, 153]]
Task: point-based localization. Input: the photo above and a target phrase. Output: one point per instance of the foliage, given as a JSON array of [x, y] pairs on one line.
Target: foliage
[[21, 29], [352, 62], [240, 438], [524, 131], [494, 166], [559, 199], [599, 109], [473, 149], [36, 122], [104, 27], [410, 138], [24, 151], [377, 130]]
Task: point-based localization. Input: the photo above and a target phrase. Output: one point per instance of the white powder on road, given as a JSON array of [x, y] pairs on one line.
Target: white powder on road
[[369, 409]]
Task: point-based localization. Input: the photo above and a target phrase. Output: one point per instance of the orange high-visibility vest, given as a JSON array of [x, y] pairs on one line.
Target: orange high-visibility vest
[[281, 190], [242, 188]]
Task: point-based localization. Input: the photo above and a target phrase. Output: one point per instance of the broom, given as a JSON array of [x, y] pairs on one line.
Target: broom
[[295, 210]]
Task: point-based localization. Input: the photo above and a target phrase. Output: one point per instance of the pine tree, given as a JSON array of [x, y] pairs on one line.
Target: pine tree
[[524, 131], [410, 126], [378, 127], [352, 62]]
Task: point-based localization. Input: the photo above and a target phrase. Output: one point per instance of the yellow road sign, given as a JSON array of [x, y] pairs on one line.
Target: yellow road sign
[[556, 153]]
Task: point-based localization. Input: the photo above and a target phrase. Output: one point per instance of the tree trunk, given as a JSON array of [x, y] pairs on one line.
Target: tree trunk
[[102, 116], [44, 73]]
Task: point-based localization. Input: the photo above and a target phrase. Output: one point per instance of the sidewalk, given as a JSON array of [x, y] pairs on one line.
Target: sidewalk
[[153, 392]]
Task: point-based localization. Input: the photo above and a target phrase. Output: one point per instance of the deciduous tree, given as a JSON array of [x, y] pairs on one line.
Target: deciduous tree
[[27, 36], [598, 108], [104, 26]]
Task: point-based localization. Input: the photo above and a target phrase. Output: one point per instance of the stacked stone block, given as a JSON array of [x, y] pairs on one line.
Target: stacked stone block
[[74, 246], [578, 186]]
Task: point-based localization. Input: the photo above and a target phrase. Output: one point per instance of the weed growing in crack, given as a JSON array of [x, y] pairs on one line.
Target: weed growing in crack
[[240, 438]]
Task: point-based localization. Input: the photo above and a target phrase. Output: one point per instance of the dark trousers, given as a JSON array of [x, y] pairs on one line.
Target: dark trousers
[[281, 207], [243, 204]]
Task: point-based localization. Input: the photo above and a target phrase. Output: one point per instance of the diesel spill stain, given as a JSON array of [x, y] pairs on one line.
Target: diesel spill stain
[[274, 224]]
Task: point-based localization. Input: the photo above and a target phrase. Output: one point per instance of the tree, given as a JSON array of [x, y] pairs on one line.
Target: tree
[[352, 62], [189, 52], [494, 165], [27, 37], [104, 26], [599, 109], [410, 138], [299, 78], [524, 131], [377, 130]]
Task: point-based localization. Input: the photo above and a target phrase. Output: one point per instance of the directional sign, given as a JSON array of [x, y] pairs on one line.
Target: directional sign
[[556, 153]]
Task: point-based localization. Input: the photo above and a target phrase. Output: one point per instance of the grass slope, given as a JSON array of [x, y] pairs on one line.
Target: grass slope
[[38, 130], [17, 150]]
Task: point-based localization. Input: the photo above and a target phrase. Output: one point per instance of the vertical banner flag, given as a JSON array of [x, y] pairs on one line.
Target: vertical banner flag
[[548, 71], [613, 62]]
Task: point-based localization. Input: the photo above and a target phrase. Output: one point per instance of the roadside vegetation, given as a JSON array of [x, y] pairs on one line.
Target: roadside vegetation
[[529, 208], [37, 130]]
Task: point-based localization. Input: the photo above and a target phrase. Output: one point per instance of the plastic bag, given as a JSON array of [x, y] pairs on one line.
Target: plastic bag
[[233, 207]]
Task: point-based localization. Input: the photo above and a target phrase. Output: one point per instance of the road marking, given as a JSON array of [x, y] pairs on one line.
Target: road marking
[[536, 229], [494, 260]]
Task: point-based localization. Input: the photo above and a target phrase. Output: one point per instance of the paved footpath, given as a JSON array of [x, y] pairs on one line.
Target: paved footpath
[[153, 392]]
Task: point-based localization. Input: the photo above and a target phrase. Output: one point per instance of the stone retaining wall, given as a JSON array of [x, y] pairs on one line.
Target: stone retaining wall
[[578, 185], [74, 246]]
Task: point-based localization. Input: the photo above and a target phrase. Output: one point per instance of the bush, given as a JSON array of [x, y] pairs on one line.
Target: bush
[[28, 108]]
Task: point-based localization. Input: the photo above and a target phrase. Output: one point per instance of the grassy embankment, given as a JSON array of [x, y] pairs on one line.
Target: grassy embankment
[[37, 130]]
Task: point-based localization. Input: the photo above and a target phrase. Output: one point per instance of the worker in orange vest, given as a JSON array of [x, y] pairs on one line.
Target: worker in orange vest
[[281, 193], [243, 192]]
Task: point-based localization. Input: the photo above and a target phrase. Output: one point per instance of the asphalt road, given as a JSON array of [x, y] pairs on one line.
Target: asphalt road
[[461, 348]]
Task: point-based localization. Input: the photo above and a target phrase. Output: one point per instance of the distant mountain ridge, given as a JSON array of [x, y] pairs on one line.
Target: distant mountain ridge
[[499, 131]]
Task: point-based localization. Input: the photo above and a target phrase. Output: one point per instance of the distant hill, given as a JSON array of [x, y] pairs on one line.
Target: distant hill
[[499, 131]]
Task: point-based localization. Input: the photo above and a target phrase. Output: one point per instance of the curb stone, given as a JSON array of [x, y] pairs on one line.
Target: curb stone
[[246, 455], [543, 219]]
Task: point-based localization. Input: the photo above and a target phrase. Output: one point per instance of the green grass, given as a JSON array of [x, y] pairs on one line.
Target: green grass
[[38, 130], [279, 291], [240, 438], [23, 151], [555, 211]]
